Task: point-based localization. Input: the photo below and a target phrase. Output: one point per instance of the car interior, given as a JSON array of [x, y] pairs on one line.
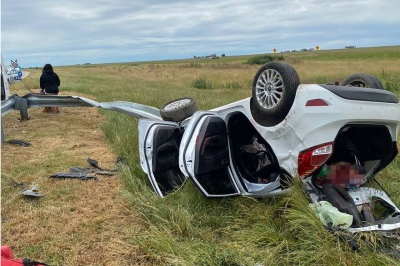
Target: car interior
[[165, 162], [252, 155]]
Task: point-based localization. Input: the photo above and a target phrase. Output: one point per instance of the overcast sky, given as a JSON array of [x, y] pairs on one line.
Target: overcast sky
[[69, 32]]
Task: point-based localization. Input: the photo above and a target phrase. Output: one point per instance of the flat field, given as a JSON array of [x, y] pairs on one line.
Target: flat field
[[118, 220]]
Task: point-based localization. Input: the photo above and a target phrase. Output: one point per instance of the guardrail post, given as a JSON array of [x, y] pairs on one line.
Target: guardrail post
[[21, 104], [3, 139]]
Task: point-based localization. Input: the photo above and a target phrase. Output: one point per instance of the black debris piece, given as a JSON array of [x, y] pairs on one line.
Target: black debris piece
[[108, 173], [28, 262], [18, 142], [87, 170], [82, 176], [94, 163]]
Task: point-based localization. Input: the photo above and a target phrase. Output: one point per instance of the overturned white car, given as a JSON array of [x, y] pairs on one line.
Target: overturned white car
[[335, 138]]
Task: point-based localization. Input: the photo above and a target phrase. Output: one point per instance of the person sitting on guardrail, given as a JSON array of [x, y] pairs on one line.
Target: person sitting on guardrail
[[49, 83]]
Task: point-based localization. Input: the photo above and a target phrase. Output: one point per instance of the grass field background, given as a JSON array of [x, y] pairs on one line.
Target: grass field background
[[183, 228]]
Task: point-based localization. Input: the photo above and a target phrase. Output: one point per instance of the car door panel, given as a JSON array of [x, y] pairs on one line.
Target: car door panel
[[207, 157], [159, 152]]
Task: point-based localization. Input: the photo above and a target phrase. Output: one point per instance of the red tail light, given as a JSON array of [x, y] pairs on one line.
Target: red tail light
[[311, 159], [317, 102]]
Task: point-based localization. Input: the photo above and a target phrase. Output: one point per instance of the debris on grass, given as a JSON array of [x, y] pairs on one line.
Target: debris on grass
[[90, 172], [33, 192], [19, 142], [82, 176]]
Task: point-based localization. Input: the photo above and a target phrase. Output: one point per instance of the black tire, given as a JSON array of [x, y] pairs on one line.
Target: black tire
[[178, 110], [273, 92], [363, 80]]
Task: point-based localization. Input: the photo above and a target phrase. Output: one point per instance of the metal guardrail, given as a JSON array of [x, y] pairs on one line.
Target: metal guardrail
[[23, 103]]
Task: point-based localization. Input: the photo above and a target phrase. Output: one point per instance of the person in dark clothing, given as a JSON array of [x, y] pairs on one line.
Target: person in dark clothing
[[49, 83]]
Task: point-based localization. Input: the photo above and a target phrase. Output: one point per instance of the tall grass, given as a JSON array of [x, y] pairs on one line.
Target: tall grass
[[390, 81]]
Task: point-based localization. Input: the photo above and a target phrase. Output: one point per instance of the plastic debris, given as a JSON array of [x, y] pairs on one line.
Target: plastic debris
[[331, 216], [75, 169], [90, 172], [94, 163], [82, 176], [33, 192]]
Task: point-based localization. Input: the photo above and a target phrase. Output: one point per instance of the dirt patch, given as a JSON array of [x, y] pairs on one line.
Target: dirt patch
[[77, 222]]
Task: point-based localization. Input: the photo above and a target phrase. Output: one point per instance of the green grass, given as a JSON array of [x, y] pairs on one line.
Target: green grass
[[390, 81], [186, 228], [235, 85], [358, 54], [202, 83]]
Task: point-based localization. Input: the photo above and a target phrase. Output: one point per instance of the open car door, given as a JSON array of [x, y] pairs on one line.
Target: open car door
[[205, 155], [159, 153]]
